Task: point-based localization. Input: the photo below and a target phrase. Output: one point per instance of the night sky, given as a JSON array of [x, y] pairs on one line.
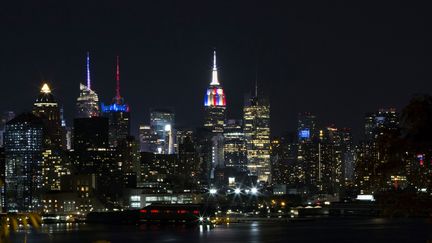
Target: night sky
[[335, 60]]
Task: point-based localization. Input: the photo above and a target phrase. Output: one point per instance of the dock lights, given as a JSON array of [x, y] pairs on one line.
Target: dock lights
[[201, 219], [213, 191], [237, 191], [254, 190]]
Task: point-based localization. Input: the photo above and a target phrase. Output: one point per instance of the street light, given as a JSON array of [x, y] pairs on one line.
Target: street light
[[213, 191], [254, 190], [237, 191]]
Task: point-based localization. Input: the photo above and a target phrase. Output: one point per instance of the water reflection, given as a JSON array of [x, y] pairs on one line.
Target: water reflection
[[350, 230]]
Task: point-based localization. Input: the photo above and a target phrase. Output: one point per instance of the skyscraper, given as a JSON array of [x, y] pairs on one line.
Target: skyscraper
[[7, 116], [87, 101], [308, 151], [214, 103], [235, 145], [257, 132], [118, 114], [147, 139], [214, 119], [162, 122], [47, 109], [23, 150]]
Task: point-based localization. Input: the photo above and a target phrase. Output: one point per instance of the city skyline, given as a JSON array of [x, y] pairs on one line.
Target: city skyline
[[300, 55], [235, 121], [358, 131]]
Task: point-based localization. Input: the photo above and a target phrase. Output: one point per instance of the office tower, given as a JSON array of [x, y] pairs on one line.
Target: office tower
[[347, 148], [93, 155], [214, 118], [23, 150], [147, 139], [380, 126], [162, 122], [128, 149], [118, 114], [6, 116], [235, 145], [335, 149], [90, 134], [256, 117], [285, 169], [379, 121], [88, 101], [308, 151], [47, 109], [90, 137]]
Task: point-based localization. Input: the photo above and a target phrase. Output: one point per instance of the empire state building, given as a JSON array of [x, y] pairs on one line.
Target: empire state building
[[214, 103], [214, 119]]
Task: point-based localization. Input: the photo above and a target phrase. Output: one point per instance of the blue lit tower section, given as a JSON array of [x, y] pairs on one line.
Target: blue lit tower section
[[214, 119], [117, 113], [87, 101]]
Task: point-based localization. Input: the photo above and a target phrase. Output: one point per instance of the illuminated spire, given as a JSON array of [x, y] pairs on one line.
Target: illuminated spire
[[45, 89], [88, 71], [118, 79], [215, 80]]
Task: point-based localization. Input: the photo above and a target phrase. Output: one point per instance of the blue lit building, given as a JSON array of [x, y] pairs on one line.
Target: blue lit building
[[118, 115], [87, 104], [23, 151]]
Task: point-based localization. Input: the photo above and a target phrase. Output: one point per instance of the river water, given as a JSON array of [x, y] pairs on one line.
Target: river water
[[316, 230]]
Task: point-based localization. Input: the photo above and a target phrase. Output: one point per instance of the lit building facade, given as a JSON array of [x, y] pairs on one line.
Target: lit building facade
[[235, 151], [147, 139], [7, 116], [285, 169], [88, 101], [23, 151], [162, 122], [308, 151], [257, 132], [47, 109]]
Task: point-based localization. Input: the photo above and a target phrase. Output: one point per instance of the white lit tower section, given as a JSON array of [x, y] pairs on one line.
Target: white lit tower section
[[214, 119], [214, 103], [87, 101]]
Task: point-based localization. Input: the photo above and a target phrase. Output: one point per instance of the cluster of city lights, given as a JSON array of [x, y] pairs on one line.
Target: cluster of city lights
[[237, 191]]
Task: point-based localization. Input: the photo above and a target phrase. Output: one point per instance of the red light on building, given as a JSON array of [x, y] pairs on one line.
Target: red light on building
[[154, 211], [420, 157], [195, 212], [143, 211]]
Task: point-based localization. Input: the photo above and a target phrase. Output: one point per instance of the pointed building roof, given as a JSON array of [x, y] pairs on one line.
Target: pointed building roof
[[45, 95], [215, 80]]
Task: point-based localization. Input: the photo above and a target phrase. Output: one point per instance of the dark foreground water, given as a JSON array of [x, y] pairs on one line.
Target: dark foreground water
[[319, 230]]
